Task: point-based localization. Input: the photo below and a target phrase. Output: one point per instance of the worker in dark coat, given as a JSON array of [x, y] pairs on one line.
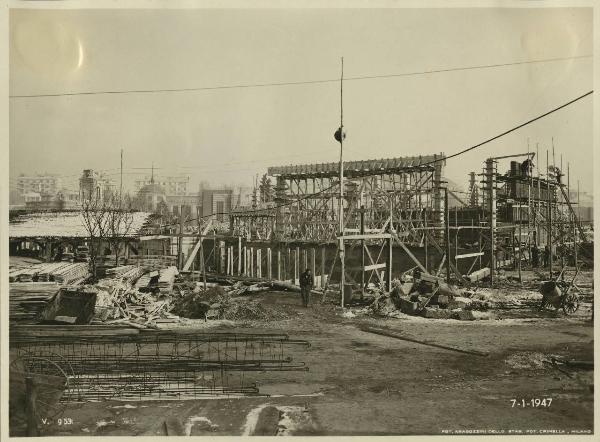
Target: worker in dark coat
[[306, 285], [535, 256], [546, 256]]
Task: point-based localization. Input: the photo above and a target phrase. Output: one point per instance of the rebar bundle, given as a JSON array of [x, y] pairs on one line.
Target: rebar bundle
[[159, 364]]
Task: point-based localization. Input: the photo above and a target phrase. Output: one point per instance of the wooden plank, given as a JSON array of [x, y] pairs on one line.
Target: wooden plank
[[366, 236], [469, 255], [192, 256], [375, 267]]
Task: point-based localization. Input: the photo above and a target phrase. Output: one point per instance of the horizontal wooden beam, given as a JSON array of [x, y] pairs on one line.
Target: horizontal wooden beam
[[469, 255], [375, 267], [366, 236]]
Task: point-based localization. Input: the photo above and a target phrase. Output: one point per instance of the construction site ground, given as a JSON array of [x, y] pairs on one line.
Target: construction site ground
[[361, 383]]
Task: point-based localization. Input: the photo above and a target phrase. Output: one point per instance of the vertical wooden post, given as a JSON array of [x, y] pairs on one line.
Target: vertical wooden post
[[362, 253], [203, 267], [222, 256], [549, 238], [278, 263], [252, 273], [426, 243], [269, 264], [304, 260], [239, 267], [447, 234], [289, 266], [245, 262], [323, 282], [30, 407], [313, 263], [491, 194], [388, 269], [259, 263], [296, 262], [180, 240]]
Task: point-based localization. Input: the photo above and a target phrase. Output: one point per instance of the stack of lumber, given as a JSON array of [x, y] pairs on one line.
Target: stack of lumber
[[61, 272], [71, 273], [126, 273], [26, 300]]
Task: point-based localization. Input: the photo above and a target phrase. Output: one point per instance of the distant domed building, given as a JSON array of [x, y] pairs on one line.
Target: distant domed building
[[150, 197]]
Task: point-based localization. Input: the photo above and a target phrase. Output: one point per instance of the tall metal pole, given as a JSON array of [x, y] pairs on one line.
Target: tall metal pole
[[539, 197], [341, 205], [549, 236], [491, 191]]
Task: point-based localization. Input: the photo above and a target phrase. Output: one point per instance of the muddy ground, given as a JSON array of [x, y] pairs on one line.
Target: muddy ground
[[361, 383]]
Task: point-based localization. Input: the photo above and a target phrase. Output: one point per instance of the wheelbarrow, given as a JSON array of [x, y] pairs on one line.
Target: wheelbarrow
[[559, 294]]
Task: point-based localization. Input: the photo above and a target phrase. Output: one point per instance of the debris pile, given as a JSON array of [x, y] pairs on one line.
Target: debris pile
[[218, 302], [430, 297]]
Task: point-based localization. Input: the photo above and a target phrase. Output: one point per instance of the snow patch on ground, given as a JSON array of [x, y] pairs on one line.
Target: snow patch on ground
[[198, 419], [252, 419]]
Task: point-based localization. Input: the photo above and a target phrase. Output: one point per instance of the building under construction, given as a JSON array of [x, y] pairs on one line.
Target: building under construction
[[397, 218]]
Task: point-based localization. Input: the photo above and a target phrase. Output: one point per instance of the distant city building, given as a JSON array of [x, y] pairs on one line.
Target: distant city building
[[94, 185], [217, 202], [173, 185], [48, 184], [151, 198], [243, 197]]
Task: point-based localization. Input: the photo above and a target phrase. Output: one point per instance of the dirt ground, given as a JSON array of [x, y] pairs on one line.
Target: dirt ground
[[361, 383]]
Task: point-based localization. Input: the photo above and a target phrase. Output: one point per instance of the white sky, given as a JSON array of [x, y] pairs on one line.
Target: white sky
[[228, 136]]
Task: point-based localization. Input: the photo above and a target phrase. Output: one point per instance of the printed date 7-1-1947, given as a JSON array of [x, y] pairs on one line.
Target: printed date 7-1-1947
[[531, 403]]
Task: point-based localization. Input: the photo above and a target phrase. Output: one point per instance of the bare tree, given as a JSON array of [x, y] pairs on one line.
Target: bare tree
[[107, 220], [118, 223], [94, 215]]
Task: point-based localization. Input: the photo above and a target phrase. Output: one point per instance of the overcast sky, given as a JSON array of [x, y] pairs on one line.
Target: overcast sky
[[226, 136]]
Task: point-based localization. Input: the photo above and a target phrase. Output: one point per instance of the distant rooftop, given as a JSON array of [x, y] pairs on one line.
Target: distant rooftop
[[63, 225]]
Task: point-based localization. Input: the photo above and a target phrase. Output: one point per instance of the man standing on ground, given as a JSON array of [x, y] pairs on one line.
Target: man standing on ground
[[306, 285]]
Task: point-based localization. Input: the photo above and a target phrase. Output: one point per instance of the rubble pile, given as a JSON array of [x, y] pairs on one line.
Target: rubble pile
[[218, 302], [429, 297]]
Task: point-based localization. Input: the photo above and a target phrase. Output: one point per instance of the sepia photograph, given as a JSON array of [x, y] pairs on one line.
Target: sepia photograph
[[299, 221]]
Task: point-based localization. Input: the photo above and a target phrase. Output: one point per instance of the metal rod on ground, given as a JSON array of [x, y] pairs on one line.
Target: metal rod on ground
[[392, 334]]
